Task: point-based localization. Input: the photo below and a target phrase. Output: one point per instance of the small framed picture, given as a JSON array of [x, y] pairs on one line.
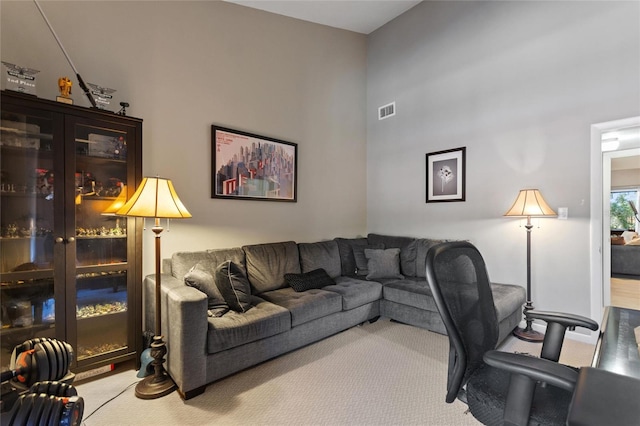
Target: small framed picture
[[446, 175], [247, 166]]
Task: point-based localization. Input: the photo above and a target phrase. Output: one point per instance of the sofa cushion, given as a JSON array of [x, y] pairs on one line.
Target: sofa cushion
[[414, 292], [182, 262], [322, 255], [233, 286], [317, 278], [355, 292], [307, 305], [202, 279], [407, 246], [383, 263], [410, 292], [236, 255], [507, 298], [347, 260], [234, 329], [362, 263], [267, 264], [422, 248]]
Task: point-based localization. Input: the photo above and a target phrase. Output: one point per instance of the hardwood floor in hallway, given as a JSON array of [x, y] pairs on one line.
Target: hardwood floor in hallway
[[625, 293]]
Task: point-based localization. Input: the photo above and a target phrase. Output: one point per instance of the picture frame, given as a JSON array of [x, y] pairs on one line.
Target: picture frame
[[446, 175], [247, 166]]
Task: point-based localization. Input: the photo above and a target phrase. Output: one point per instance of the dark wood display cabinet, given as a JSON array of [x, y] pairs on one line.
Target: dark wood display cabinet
[[68, 270]]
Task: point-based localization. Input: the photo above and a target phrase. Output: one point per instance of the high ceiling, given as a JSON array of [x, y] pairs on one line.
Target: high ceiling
[[361, 16]]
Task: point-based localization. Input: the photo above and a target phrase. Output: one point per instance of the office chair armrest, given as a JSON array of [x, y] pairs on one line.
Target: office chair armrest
[[567, 320], [537, 369], [557, 324], [524, 373]]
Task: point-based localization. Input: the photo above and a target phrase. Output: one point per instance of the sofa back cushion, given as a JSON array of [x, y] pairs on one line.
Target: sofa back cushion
[[236, 255], [407, 246], [422, 248], [347, 258], [183, 261], [322, 255], [267, 264]]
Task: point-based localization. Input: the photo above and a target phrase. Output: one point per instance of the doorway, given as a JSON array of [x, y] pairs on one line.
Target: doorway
[[600, 205], [621, 184]]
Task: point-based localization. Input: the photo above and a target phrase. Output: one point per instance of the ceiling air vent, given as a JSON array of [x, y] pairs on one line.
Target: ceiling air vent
[[387, 111]]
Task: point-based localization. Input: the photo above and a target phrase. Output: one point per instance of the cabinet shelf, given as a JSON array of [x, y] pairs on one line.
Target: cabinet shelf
[[25, 151], [26, 195], [99, 160], [9, 331], [100, 237], [25, 133]]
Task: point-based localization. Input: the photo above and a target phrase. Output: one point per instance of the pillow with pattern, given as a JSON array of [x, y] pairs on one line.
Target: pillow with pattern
[[317, 278]]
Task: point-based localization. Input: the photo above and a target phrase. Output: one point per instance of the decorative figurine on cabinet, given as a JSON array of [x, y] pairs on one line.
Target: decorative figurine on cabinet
[[64, 84]]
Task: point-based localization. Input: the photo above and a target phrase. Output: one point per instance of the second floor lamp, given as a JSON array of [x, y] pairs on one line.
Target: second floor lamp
[[529, 203]]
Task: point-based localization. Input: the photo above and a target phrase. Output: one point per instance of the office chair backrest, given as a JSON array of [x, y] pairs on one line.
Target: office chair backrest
[[458, 280]]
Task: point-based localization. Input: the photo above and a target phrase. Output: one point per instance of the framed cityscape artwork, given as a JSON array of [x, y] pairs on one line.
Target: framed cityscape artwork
[[246, 166], [446, 175]]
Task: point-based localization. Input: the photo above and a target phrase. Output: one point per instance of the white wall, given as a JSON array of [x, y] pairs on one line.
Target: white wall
[[627, 177], [184, 66], [518, 84]]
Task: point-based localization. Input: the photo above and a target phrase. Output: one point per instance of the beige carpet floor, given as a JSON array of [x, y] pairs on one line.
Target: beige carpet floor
[[376, 374]]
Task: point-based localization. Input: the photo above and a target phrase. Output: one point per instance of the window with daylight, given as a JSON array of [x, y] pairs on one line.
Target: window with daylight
[[622, 204]]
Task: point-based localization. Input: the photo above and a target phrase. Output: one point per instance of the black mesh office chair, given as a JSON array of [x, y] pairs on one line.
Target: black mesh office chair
[[499, 387]]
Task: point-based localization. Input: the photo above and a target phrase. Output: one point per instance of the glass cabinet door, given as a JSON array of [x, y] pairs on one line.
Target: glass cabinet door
[[101, 290], [29, 188]]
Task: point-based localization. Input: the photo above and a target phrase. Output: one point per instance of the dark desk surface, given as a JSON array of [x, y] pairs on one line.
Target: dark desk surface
[[604, 398], [617, 349]]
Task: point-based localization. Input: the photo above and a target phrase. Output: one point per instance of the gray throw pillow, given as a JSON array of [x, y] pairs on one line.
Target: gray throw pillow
[[317, 278], [362, 267], [234, 286], [198, 277], [383, 263]]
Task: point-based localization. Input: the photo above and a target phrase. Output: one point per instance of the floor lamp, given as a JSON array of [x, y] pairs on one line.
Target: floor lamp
[[529, 203], [155, 198]]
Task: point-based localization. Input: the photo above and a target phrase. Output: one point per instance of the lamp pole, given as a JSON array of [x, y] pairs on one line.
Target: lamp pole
[[160, 384], [528, 333]]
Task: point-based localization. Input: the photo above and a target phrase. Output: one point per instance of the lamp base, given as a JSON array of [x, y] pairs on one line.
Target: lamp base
[[148, 388], [160, 383], [528, 335]]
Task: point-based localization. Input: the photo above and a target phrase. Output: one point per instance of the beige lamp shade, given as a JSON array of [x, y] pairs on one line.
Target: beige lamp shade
[[530, 203], [118, 203], [155, 197]]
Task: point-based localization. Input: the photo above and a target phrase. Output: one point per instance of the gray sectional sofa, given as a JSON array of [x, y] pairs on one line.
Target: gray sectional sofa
[[363, 279]]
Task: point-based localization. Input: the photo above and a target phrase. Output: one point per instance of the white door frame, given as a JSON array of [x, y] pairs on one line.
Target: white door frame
[[601, 246], [606, 218]]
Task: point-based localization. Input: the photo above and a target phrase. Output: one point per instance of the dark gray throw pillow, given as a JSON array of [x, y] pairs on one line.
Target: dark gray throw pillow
[[317, 278], [383, 263], [198, 277], [234, 286], [362, 267]]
